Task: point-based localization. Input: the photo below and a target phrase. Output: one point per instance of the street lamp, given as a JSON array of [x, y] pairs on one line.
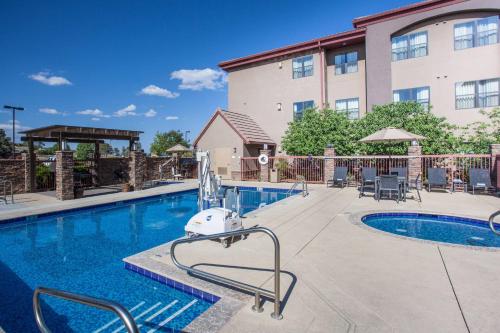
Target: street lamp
[[13, 109], [186, 136]]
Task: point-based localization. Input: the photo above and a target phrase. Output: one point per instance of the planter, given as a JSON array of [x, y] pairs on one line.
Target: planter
[[127, 187]]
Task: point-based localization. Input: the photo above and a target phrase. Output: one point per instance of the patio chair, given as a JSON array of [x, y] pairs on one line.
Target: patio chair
[[339, 177], [401, 172], [436, 177], [479, 178], [176, 176], [367, 180], [389, 184], [417, 185]]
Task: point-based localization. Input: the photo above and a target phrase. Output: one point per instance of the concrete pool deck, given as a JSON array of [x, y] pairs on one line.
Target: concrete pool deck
[[340, 276]]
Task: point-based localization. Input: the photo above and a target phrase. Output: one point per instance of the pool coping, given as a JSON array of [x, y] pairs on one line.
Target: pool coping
[[356, 219]]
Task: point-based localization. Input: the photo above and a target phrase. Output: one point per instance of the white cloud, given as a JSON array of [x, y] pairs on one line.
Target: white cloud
[[96, 113], [151, 113], [49, 111], [95, 119], [199, 79], [126, 111], [50, 80], [171, 118], [19, 127], [153, 90]]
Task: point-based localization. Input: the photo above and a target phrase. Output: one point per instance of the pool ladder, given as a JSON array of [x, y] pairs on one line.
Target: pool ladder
[[102, 304], [300, 180], [275, 295], [492, 223]]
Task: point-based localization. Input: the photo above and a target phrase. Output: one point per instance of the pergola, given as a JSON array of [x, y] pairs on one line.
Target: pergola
[[62, 134]]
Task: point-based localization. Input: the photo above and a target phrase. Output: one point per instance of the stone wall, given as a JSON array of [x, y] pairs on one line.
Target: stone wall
[[153, 168], [13, 170], [113, 170]]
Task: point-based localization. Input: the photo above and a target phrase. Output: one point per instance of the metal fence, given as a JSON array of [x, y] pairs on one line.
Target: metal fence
[[83, 172], [355, 164], [289, 167], [45, 176], [250, 168]]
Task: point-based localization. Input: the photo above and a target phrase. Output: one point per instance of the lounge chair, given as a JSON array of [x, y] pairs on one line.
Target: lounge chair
[[176, 176], [339, 177], [479, 178], [367, 180], [436, 177], [389, 184]]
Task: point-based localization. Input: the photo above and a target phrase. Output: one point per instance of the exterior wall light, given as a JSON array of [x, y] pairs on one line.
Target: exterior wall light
[[278, 106]]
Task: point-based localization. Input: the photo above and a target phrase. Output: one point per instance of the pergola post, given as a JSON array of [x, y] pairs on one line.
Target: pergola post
[[29, 167], [95, 166], [64, 175], [137, 169]]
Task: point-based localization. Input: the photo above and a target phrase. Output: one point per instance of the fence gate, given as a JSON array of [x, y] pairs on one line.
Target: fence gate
[[45, 175]]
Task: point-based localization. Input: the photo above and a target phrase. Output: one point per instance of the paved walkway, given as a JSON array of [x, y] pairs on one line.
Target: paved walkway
[[340, 276]]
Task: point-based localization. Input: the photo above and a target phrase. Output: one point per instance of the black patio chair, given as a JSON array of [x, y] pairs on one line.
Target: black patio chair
[[367, 180], [417, 185], [436, 177], [400, 172], [339, 177], [479, 178], [389, 184]]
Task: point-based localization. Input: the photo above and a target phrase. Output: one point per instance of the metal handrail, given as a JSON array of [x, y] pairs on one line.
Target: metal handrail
[[4, 183], [102, 304], [305, 191], [492, 227], [237, 284]]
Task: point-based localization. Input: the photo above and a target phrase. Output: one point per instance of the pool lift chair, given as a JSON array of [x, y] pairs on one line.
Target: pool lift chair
[[219, 207]]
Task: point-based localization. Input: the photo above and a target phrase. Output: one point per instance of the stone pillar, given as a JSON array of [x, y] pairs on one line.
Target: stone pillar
[[495, 162], [137, 169], [64, 175], [329, 165], [29, 172], [414, 163], [95, 166], [264, 168]]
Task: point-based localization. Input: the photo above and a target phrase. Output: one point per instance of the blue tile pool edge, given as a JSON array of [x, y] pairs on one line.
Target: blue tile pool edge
[[200, 294], [439, 217]]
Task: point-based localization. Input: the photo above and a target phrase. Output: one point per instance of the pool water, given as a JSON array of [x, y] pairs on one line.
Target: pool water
[[82, 252], [440, 228]]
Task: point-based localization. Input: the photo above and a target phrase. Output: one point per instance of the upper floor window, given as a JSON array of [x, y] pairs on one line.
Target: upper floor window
[[420, 95], [477, 94], [300, 107], [476, 33], [302, 66], [409, 46], [346, 63], [349, 106]]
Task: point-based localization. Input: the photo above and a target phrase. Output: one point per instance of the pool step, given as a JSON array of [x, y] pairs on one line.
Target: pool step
[[153, 316]]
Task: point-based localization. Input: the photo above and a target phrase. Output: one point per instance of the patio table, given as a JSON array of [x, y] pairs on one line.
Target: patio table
[[402, 182]]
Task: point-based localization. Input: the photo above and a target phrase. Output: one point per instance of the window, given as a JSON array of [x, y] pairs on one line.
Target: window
[[477, 94], [302, 67], [346, 63], [349, 106], [476, 33], [300, 107], [420, 95], [409, 46]]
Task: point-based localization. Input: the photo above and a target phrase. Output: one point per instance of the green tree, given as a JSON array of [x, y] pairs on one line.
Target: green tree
[[165, 140], [477, 137], [84, 151], [5, 144], [42, 150]]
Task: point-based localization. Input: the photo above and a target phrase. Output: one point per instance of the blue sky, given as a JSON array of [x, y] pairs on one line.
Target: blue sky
[[144, 65]]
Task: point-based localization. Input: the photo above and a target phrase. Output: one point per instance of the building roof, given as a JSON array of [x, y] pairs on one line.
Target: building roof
[[78, 134], [340, 39], [418, 7], [246, 128]]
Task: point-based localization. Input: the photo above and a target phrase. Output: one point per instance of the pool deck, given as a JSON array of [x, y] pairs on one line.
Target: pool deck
[[341, 276]]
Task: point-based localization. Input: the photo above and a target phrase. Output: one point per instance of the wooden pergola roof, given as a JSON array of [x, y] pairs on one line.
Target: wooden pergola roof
[[55, 133]]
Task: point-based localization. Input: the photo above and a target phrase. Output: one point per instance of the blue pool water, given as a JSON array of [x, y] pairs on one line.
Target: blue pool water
[[82, 251], [440, 228]]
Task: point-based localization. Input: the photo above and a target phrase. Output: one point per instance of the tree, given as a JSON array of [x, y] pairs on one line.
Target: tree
[[316, 129], [42, 150], [84, 151], [163, 141], [477, 137], [5, 145]]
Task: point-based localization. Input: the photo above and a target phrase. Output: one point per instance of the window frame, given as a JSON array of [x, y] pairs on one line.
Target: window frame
[[300, 112], [413, 96], [408, 48], [477, 96], [305, 71], [344, 64], [475, 37], [348, 111]]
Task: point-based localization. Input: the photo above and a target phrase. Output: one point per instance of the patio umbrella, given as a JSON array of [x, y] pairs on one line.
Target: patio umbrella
[[392, 134], [178, 148]]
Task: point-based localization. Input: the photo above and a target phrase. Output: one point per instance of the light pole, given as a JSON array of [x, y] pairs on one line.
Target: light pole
[[186, 136], [13, 109]]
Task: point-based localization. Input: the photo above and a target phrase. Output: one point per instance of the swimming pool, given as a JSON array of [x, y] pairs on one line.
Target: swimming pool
[[439, 228], [81, 251]]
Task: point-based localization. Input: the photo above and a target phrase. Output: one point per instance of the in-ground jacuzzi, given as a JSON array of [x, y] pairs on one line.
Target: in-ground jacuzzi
[[432, 227]]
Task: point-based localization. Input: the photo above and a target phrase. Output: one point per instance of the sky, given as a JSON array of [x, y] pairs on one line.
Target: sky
[[144, 65]]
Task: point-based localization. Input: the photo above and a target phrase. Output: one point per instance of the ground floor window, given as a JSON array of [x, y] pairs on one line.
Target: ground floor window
[[300, 107], [477, 94], [420, 95], [349, 106]]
